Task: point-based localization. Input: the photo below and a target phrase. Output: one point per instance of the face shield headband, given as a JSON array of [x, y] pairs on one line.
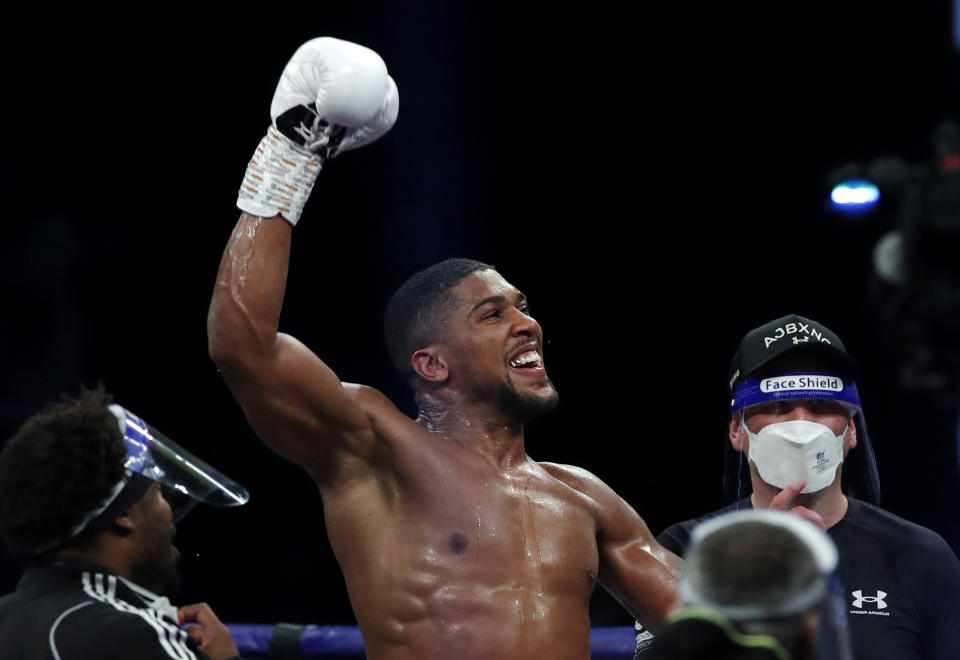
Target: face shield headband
[[796, 385]]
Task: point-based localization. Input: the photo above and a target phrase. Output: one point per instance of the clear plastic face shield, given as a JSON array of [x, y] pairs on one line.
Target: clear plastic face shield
[[153, 457], [804, 450], [185, 479], [786, 595], [751, 567]]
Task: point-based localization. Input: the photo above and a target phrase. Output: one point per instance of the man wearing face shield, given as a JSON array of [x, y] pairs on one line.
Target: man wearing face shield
[[89, 494], [799, 443], [754, 586]]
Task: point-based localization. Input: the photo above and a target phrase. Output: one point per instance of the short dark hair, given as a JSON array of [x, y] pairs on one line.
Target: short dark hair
[[416, 312], [61, 464], [754, 562], [760, 567]]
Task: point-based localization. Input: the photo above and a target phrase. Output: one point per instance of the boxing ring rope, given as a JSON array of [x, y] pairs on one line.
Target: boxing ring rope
[[289, 641]]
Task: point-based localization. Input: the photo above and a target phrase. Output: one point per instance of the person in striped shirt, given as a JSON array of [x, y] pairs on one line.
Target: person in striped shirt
[[81, 504]]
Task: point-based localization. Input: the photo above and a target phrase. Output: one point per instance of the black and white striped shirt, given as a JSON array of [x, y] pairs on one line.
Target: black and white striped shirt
[[74, 610]]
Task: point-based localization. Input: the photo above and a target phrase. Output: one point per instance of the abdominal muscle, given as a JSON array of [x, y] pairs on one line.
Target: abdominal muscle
[[471, 620], [461, 578]]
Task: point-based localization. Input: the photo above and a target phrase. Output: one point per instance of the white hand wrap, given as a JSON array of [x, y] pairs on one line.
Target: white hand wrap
[[279, 178]]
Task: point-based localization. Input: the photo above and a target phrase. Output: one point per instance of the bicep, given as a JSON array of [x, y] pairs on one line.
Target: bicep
[[634, 567], [300, 409]]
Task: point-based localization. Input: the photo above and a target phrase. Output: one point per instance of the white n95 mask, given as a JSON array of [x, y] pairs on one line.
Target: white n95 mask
[[798, 450]]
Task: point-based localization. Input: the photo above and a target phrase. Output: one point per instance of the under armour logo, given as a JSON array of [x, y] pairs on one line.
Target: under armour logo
[[860, 599]]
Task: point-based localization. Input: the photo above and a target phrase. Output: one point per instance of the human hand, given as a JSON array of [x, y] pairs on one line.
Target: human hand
[[203, 626], [783, 499]]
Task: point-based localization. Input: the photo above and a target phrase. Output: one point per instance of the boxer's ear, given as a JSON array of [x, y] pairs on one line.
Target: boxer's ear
[[430, 364]]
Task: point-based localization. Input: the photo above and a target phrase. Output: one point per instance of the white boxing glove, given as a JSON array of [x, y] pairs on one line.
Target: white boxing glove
[[333, 96]]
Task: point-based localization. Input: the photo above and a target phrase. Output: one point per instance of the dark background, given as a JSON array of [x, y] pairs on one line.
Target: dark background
[[653, 177]]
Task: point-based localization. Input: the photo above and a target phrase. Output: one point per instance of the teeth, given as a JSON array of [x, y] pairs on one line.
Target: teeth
[[530, 357]]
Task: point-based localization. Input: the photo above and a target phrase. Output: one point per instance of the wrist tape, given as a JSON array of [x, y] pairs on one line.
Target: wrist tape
[[279, 178]]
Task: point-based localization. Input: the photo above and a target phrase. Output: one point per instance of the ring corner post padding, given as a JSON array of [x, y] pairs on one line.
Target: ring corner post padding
[[285, 642]]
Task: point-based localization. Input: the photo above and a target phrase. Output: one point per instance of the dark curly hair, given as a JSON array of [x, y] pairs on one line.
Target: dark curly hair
[[61, 464], [416, 312]]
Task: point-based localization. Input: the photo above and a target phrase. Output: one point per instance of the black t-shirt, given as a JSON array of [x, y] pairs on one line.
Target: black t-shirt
[[902, 583], [79, 611]]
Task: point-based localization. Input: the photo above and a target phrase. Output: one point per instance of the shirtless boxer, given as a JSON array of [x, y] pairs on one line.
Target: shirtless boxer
[[453, 542]]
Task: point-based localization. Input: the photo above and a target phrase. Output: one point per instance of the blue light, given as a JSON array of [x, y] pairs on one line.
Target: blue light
[[855, 196], [956, 24]]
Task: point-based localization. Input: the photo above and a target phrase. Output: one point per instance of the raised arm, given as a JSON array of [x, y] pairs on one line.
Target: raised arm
[[332, 96]]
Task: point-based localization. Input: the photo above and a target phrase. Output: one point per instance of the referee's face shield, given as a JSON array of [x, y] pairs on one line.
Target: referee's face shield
[[184, 478]]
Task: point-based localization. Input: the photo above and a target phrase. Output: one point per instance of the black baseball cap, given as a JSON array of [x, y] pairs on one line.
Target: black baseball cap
[[791, 334]]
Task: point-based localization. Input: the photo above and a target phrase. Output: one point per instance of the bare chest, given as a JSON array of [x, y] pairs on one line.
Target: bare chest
[[524, 530], [464, 548]]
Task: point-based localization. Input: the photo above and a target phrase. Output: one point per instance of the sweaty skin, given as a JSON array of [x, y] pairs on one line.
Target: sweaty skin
[[453, 542]]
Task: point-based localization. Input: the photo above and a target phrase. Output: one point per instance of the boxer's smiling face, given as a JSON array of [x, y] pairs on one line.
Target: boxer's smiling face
[[497, 347]]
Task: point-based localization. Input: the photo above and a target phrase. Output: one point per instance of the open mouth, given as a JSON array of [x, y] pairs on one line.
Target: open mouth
[[529, 359]]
